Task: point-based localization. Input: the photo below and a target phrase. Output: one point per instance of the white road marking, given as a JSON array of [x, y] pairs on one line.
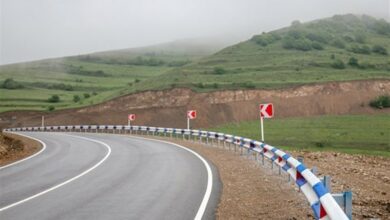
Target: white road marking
[[29, 157], [206, 197], [69, 180]]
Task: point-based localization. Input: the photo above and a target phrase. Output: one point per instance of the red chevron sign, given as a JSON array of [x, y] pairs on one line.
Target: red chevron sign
[[191, 114], [131, 117], [266, 110]]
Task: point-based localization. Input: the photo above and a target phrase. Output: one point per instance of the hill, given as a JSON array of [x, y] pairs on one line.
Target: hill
[[93, 78], [340, 48]]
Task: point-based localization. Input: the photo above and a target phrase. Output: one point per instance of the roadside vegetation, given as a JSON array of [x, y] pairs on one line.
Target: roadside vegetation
[[344, 47], [362, 134]]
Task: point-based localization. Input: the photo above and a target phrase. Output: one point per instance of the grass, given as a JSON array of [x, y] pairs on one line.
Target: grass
[[263, 62], [356, 134]]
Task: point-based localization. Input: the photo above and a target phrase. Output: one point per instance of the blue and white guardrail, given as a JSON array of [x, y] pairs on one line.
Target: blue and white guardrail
[[321, 201]]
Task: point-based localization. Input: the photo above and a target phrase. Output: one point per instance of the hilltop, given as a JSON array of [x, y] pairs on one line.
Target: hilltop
[[340, 48]]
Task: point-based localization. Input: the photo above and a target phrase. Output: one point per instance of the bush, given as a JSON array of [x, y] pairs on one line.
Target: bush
[[266, 39], [87, 95], [353, 62], [76, 98], [379, 50], [317, 46], [54, 99], [297, 44], [219, 71], [338, 43], [338, 64], [360, 38], [11, 84], [51, 108], [200, 85], [215, 85], [381, 102], [360, 49], [137, 80]]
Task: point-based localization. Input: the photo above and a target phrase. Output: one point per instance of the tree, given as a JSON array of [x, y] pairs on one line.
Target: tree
[[76, 98], [54, 99]]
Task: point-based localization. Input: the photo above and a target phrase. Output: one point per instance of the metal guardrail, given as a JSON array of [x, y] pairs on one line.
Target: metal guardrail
[[317, 192]]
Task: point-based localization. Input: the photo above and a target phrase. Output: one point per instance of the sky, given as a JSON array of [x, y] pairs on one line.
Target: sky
[[38, 29]]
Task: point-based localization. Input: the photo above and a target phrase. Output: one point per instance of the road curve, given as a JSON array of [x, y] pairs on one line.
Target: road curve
[[103, 176]]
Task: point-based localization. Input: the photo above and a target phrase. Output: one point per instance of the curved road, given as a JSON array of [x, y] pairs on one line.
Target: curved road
[[102, 176]]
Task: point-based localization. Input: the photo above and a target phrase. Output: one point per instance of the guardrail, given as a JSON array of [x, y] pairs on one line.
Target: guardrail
[[323, 203]]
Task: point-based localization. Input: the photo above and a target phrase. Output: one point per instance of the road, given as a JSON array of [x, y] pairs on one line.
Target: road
[[103, 176]]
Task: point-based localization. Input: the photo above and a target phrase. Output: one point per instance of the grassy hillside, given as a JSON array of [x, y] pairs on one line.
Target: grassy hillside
[[351, 134], [94, 77], [340, 48]]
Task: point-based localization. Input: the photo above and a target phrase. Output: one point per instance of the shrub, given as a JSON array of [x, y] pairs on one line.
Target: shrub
[[360, 49], [360, 38], [338, 64], [200, 85], [266, 39], [219, 70], [11, 84], [353, 62], [87, 95], [317, 46], [298, 44], [54, 99], [381, 102], [215, 85], [316, 37], [76, 98], [137, 80], [94, 93], [338, 43], [379, 49], [50, 108]]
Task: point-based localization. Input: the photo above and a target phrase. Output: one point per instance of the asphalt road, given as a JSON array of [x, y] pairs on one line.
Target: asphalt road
[[103, 176]]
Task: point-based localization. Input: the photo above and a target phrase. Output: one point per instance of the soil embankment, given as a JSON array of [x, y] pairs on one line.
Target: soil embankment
[[15, 147], [168, 108]]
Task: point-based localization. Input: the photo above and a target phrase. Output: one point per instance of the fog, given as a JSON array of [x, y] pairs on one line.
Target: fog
[[37, 29]]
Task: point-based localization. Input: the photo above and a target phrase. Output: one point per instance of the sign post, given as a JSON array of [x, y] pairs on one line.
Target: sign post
[[266, 111], [191, 114], [131, 117]]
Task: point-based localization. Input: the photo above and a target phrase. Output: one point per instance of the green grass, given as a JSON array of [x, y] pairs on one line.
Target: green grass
[[356, 134], [248, 65]]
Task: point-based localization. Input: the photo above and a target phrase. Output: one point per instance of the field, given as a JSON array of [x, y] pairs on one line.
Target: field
[[361, 134], [340, 48], [43, 79]]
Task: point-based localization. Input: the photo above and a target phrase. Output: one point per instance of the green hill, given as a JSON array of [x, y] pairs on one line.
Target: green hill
[[92, 78], [344, 47]]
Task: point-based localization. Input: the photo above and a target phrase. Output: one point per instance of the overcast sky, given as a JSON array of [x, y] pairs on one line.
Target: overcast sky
[[36, 29]]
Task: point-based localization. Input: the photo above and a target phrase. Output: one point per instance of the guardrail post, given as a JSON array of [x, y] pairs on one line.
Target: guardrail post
[[344, 200], [326, 180]]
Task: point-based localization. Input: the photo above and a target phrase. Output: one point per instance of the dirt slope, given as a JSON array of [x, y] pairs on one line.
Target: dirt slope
[[168, 108]]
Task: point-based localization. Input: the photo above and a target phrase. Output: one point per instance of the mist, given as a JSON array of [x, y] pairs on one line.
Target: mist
[[38, 29]]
